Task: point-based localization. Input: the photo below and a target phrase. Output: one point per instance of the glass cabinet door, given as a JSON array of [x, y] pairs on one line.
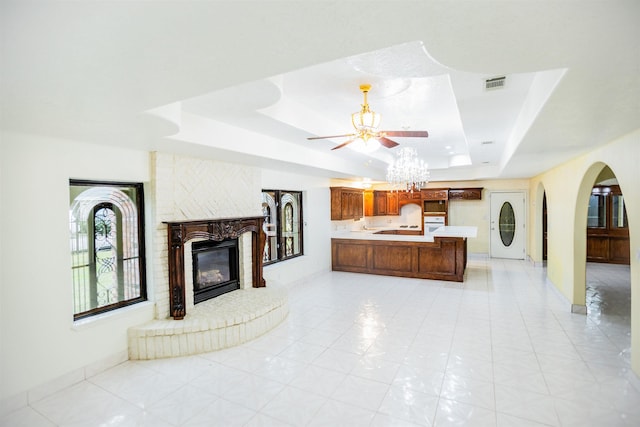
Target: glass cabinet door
[[618, 212], [597, 213]]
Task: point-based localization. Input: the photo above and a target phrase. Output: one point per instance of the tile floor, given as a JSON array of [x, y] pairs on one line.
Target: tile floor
[[499, 349]]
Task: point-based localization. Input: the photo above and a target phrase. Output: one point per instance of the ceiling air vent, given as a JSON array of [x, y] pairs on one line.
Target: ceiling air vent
[[494, 83]]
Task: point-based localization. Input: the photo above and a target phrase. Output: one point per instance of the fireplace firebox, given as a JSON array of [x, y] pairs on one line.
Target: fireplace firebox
[[215, 268]]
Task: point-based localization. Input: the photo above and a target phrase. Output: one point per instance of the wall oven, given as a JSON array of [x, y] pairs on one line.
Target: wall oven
[[432, 223]]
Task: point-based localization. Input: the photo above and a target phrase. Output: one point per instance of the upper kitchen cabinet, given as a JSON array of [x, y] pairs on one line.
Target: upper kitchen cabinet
[[405, 197], [346, 203], [435, 193], [368, 203], [393, 207], [465, 193], [435, 201], [385, 203], [378, 203]]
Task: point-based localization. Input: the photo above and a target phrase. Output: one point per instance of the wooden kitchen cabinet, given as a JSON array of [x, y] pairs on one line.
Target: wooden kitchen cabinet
[[405, 197], [416, 232], [379, 203], [385, 203], [346, 203], [393, 207], [465, 193], [435, 193], [435, 201], [368, 203], [607, 226], [443, 259]]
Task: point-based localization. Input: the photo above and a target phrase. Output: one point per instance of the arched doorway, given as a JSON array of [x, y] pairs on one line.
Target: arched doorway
[[544, 226], [607, 222], [607, 286], [539, 249]]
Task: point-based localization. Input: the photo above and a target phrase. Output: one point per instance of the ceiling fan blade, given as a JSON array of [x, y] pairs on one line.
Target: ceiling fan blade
[[387, 142], [406, 133], [344, 144], [331, 136]]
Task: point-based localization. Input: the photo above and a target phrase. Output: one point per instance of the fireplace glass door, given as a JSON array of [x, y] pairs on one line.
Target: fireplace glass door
[[215, 268]]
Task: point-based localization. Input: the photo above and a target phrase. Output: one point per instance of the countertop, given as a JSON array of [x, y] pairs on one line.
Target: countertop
[[369, 234]]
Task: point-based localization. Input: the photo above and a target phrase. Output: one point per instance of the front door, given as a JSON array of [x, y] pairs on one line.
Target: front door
[[507, 234]]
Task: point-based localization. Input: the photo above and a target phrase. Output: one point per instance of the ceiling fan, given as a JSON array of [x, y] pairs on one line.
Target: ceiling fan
[[365, 122]]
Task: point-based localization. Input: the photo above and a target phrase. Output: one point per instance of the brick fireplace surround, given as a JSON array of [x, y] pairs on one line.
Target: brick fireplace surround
[[227, 320]]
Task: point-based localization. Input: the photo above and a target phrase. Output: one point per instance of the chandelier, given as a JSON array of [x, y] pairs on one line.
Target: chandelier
[[408, 172]]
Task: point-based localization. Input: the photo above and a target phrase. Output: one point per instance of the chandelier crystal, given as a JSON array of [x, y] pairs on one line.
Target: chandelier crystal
[[408, 172]]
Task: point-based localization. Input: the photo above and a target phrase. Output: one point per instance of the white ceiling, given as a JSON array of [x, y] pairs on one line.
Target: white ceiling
[[250, 81]]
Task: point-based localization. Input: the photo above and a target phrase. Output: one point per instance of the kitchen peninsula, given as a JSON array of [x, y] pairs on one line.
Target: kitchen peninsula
[[441, 255]]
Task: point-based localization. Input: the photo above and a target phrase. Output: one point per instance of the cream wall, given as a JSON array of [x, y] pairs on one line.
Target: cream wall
[[42, 349], [567, 189], [477, 212], [39, 339], [40, 344]]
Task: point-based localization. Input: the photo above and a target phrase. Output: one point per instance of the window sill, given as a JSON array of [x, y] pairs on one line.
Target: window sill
[[98, 319]]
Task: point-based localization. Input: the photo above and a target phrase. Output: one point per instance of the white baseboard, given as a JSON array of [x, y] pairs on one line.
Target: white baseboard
[[20, 400]]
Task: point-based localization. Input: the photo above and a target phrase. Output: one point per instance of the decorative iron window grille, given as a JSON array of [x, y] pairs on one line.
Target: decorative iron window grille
[[283, 225], [106, 222]]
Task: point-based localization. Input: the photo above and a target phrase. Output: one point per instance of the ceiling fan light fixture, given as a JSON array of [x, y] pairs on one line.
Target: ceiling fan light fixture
[[367, 137], [362, 145], [365, 119]]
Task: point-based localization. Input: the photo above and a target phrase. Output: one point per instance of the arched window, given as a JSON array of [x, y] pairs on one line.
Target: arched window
[[288, 229], [107, 246], [270, 223], [283, 224]]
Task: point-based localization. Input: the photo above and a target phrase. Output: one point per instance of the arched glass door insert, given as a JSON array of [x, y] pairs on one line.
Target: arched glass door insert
[[507, 224]]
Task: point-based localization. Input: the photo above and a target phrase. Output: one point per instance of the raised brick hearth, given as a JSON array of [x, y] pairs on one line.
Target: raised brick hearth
[[225, 321]]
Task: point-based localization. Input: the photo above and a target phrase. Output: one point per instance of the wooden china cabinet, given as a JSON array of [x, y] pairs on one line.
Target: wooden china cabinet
[[607, 226]]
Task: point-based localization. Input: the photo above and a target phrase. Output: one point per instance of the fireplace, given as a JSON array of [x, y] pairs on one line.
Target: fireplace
[[215, 268], [213, 233], [228, 320]]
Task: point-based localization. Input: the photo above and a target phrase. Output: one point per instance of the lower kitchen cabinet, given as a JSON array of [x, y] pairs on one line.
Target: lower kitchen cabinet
[[443, 259]]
